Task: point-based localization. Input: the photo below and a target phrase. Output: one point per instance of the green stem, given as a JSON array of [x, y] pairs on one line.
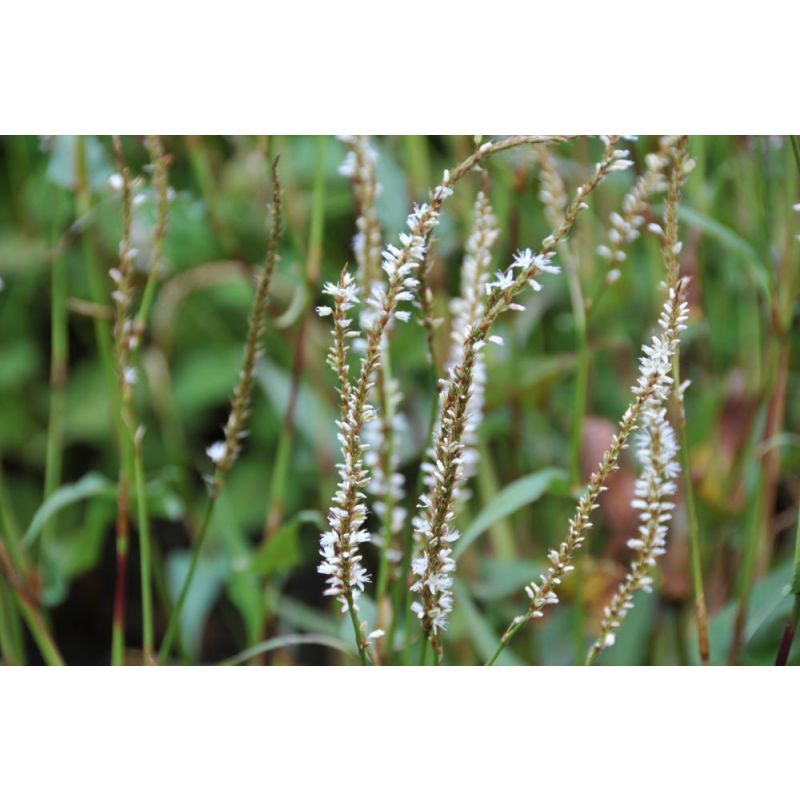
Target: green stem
[[102, 331], [97, 284], [159, 162], [419, 165], [204, 175], [40, 632], [360, 643], [578, 414], [505, 639], [11, 534], [695, 545], [747, 571], [277, 489], [177, 609], [143, 524], [11, 643], [58, 375], [423, 650]]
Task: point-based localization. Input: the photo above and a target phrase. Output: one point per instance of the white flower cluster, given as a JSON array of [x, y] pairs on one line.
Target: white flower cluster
[[466, 310], [651, 390], [360, 166], [433, 566], [400, 265], [655, 487], [127, 332], [382, 434], [339, 545], [656, 361], [625, 227], [526, 261], [434, 532], [552, 194], [618, 161], [657, 452]]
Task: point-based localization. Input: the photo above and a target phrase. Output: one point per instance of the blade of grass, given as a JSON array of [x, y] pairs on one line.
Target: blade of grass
[[289, 640]]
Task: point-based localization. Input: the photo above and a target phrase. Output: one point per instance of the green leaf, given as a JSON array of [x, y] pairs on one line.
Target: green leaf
[[289, 640], [306, 618], [75, 551], [771, 598], [729, 239], [209, 578], [205, 378], [282, 552], [516, 495], [90, 485], [243, 586]]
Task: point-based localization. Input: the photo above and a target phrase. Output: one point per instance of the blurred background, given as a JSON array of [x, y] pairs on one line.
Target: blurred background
[[60, 227]]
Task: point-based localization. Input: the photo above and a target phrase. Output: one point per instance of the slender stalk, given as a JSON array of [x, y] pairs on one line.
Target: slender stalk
[[654, 383], [122, 543], [58, 374], [670, 249], [225, 453], [277, 488], [29, 608], [106, 350], [747, 571], [126, 336], [701, 615], [97, 286], [15, 563], [401, 265], [578, 415], [160, 162], [360, 165], [774, 387], [10, 534], [423, 650], [11, 644], [41, 633], [433, 527], [204, 175], [145, 560], [504, 641], [177, 609], [360, 643]]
